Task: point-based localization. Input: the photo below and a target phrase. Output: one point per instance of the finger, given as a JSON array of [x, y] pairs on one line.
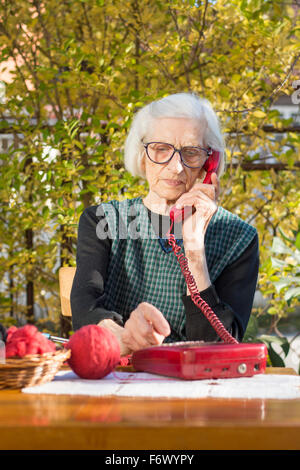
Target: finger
[[197, 200], [158, 338], [137, 341], [153, 315], [137, 322], [143, 334], [130, 341], [207, 189], [153, 337], [141, 329], [199, 185]]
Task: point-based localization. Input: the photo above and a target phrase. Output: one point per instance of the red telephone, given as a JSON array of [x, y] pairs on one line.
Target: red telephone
[[197, 359], [211, 165]]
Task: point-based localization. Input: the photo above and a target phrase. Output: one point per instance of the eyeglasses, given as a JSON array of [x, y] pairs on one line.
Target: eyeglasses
[[161, 153]]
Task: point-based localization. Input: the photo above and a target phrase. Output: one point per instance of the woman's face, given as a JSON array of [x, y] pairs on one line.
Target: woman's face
[[167, 182]]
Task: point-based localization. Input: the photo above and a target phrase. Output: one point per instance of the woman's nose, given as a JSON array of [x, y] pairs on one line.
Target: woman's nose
[[176, 163]]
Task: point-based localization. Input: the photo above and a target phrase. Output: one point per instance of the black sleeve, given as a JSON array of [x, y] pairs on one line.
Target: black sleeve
[[231, 299], [91, 265]]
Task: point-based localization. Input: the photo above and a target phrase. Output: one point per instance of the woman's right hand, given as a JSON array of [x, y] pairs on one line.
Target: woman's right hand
[[145, 327]]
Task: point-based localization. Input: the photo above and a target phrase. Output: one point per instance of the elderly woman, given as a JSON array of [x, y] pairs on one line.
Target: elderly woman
[[128, 278]]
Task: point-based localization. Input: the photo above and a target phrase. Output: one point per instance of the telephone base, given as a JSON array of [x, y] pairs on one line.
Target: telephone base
[[195, 360]]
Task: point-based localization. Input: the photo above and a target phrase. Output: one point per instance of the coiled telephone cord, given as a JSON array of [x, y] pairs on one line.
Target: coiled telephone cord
[[197, 299]]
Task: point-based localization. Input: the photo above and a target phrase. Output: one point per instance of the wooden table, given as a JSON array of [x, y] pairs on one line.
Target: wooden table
[[82, 422]]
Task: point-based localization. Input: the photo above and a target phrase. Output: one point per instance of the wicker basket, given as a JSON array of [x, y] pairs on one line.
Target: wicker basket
[[21, 372]]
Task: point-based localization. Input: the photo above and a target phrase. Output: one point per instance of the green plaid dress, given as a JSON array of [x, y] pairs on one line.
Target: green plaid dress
[[141, 270]]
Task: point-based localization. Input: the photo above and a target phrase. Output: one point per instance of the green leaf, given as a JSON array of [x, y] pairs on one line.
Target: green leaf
[[281, 341], [275, 358], [277, 263], [284, 236], [244, 5], [281, 284], [272, 311], [259, 114], [292, 293], [279, 246], [252, 329], [45, 211], [297, 243]]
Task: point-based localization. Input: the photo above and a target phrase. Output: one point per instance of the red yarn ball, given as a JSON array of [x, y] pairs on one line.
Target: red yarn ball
[[25, 341], [95, 352]]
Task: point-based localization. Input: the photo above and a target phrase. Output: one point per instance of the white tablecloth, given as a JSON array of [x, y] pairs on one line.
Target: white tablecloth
[[129, 384]]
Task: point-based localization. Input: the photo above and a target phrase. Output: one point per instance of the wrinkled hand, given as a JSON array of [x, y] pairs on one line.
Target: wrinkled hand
[[145, 327], [117, 330], [203, 198]]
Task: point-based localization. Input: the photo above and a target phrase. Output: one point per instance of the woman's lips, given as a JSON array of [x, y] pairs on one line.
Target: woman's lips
[[173, 182]]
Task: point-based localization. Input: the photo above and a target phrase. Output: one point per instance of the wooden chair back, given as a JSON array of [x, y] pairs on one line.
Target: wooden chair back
[[66, 276]]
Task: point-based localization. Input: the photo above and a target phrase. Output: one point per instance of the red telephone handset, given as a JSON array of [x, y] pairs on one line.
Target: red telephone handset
[[211, 165]]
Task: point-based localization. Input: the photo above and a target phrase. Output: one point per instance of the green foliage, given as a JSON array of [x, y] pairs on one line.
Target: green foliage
[[289, 268], [280, 276], [280, 282], [279, 346], [81, 70], [275, 359]]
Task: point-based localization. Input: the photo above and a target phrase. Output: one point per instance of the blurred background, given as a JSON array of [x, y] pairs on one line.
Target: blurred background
[[72, 74]]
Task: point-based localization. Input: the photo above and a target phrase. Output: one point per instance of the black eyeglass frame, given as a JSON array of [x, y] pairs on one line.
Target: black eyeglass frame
[[208, 152]]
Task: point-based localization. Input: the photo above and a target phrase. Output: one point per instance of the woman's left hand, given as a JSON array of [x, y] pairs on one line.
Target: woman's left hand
[[203, 198]]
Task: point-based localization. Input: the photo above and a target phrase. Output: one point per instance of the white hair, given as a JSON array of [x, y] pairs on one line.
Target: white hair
[[179, 105]]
